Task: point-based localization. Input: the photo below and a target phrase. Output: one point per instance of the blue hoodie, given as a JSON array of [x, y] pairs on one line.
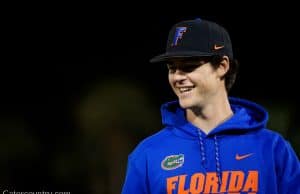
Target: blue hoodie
[[238, 156]]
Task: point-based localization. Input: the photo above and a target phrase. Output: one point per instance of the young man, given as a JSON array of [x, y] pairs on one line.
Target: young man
[[211, 143]]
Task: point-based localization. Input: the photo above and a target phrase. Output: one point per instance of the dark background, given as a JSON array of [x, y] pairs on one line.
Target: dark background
[[78, 91]]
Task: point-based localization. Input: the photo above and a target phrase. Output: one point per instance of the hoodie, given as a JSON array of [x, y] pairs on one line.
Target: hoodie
[[238, 156]]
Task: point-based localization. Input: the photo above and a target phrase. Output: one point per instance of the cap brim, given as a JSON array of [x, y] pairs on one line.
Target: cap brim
[[171, 55]]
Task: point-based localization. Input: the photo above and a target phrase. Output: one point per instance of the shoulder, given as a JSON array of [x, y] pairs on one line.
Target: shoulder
[[276, 136], [149, 143], [275, 139], [270, 134]]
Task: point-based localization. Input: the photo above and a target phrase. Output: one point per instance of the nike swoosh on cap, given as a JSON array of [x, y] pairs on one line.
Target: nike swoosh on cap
[[218, 47]]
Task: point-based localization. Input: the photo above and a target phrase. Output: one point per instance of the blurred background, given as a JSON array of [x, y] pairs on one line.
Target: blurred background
[[78, 92]]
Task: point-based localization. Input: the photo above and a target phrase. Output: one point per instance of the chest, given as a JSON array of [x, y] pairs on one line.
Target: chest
[[231, 165]]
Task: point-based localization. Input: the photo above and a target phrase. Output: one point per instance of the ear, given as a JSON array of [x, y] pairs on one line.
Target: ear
[[223, 67]]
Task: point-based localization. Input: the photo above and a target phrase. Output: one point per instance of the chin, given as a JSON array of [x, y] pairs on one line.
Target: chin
[[185, 104]]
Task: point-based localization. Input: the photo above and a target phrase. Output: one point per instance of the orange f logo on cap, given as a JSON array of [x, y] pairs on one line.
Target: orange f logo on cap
[[178, 35]]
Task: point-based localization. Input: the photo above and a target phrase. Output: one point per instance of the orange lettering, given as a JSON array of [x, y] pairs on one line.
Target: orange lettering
[[181, 185], [211, 183], [236, 181], [197, 183], [224, 181], [232, 182], [171, 184], [252, 181]]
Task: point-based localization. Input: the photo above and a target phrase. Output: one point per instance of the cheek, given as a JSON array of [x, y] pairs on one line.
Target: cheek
[[171, 82], [170, 78], [203, 83], [209, 84]]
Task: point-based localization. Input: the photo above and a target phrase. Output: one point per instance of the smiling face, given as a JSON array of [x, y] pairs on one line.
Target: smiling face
[[196, 82]]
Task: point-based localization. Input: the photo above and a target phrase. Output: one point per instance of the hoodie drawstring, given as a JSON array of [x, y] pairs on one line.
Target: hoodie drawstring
[[217, 155], [203, 157]]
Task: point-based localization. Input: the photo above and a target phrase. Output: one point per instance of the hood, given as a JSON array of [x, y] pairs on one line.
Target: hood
[[247, 116]]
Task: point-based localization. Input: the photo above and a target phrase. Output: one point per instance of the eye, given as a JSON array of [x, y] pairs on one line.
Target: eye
[[171, 67], [189, 67], [186, 66]]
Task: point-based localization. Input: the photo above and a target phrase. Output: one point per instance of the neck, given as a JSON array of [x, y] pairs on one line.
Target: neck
[[211, 115]]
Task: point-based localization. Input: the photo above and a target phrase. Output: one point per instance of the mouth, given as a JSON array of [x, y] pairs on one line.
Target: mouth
[[185, 90]]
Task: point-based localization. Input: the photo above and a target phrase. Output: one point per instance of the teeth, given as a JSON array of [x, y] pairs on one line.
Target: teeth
[[185, 89]]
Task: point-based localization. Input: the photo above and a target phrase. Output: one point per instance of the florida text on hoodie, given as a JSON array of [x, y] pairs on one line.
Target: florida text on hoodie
[[238, 156]]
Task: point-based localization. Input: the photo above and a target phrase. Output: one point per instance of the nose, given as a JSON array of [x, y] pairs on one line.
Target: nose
[[179, 75]]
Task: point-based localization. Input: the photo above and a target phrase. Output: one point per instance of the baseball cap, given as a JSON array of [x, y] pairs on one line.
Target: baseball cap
[[196, 38]]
